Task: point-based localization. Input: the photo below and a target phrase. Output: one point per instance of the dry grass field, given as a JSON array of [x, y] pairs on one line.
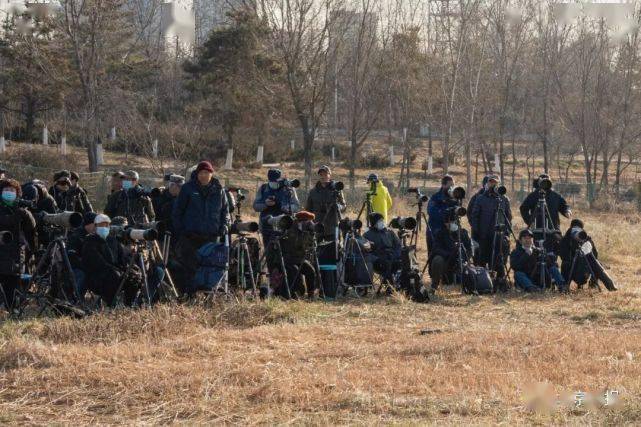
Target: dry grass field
[[458, 360]]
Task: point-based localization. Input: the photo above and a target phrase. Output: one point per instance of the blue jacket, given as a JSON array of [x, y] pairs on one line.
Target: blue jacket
[[201, 209], [436, 208], [483, 215]]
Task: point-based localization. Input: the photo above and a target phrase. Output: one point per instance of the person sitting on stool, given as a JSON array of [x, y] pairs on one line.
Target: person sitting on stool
[[386, 248]]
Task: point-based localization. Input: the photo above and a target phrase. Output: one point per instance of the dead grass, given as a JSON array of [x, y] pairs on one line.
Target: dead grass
[[349, 362]]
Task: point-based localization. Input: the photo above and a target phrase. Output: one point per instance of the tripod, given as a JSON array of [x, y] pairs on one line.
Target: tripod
[[580, 255], [501, 225], [367, 204], [420, 218], [314, 256], [352, 246], [137, 261], [242, 253], [274, 245], [49, 278], [542, 220]]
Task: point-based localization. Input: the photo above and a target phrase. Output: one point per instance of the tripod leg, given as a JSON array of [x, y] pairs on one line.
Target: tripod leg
[[141, 265], [251, 269]]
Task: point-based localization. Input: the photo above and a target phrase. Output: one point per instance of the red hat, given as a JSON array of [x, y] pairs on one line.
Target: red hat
[[305, 216], [204, 166]]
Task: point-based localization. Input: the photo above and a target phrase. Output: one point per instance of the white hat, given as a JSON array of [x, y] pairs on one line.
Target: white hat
[[101, 218]]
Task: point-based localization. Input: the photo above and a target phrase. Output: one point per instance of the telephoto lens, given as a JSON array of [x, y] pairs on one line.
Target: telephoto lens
[[457, 193], [338, 186], [63, 219], [400, 223], [6, 237], [501, 190], [239, 227], [545, 184], [280, 222]]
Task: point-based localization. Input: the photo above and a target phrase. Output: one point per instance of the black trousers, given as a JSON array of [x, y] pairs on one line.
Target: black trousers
[[9, 285], [300, 277], [484, 257]]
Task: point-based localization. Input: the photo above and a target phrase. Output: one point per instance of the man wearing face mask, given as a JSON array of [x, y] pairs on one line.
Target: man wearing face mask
[[436, 208], [524, 262], [296, 244], [326, 202], [75, 242], [19, 239], [104, 263], [274, 199], [131, 202], [483, 219], [444, 257], [200, 215], [386, 248]]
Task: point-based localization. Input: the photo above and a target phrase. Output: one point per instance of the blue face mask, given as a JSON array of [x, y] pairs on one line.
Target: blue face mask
[[9, 197], [127, 185], [103, 232]]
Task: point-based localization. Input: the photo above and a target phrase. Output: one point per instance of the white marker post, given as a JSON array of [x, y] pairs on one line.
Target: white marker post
[[497, 162], [3, 145], [63, 146], [45, 136], [100, 160], [333, 154], [260, 155], [292, 144], [430, 165], [230, 158], [154, 149], [391, 155], [112, 134]]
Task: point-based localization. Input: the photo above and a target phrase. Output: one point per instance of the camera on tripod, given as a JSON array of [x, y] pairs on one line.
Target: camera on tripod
[[457, 193], [159, 226], [239, 227], [420, 197], [281, 222], [544, 183], [64, 220], [6, 237], [580, 235], [337, 186], [294, 183], [401, 223], [347, 225], [131, 235]]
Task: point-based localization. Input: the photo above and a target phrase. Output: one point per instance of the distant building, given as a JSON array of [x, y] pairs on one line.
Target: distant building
[[212, 14]]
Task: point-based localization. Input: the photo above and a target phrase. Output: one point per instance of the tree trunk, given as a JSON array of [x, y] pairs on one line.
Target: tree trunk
[[352, 164]]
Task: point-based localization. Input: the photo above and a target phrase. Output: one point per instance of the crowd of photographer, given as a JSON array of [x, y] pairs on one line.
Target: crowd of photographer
[[189, 236]]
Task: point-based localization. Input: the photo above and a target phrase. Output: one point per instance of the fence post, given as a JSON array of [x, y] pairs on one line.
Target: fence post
[[100, 160], [260, 154], [45, 136], [63, 145], [230, 158]]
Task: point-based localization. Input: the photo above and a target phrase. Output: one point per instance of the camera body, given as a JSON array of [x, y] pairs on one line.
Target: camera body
[[420, 197]]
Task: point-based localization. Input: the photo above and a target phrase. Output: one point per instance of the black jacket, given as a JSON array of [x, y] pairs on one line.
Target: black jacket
[[101, 257], [73, 200], [22, 226], [321, 201], [386, 244], [556, 205], [483, 215], [522, 261], [567, 250], [165, 209], [75, 242], [445, 245], [133, 204]]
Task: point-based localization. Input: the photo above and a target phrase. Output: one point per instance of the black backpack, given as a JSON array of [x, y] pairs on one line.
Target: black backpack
[[476, 280]]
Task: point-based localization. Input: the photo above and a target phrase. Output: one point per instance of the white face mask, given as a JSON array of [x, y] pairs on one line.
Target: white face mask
[[453, 227], [380, 225]]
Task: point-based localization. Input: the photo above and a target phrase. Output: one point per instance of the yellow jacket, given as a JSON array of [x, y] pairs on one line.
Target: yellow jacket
[[381, 201]]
